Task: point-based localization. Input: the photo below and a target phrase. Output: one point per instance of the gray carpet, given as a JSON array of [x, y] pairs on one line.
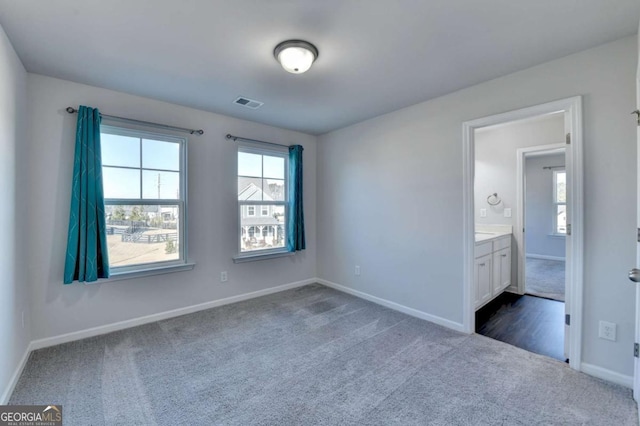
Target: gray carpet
[[545, 278], [311, 356]]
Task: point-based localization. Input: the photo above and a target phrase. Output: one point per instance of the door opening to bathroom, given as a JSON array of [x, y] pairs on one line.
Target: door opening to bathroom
[[523, 228]]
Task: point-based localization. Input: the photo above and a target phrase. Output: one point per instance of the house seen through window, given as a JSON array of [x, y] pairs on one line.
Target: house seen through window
[[144, 189], [262, 199]]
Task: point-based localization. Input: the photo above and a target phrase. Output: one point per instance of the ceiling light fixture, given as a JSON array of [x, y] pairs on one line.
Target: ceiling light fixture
[[295, 56]]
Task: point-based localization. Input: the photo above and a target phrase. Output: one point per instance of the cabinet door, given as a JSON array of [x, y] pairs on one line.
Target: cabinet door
[[501, 270], [505, 268], [483, 267]]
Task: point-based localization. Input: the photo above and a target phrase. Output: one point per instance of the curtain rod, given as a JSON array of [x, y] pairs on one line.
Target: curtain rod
[[236, 138], [553, 167], [72, 110]]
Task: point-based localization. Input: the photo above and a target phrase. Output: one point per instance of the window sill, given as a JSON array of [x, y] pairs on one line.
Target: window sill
[[558, 235], [140, 273], [264, 256]]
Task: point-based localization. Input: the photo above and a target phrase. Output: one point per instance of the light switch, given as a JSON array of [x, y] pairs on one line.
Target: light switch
[[483, 212], [507, 212]]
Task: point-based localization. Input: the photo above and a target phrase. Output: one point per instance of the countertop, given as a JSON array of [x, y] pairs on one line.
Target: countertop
[[491, 232], [486, 236]]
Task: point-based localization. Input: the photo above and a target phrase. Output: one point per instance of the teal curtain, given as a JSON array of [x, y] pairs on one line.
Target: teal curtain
[[86, 257], [295, 219]]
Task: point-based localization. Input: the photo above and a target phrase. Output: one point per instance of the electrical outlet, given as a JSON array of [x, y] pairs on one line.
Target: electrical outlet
[[223, 277], [483, 212], [507, 212], [607, 330], [357, 269]]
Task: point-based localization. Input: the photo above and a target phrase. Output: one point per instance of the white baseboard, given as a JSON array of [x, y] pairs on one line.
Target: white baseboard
[[16, 375], [108, 328], [544, 257], [395, 306], [608, 375]]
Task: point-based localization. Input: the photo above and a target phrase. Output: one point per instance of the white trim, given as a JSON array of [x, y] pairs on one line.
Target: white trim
[[121, 325], [395, 306], [521, 155], [161, 270], [16, 375], [572, 108], [545, 257], [608, 375], [255, 256]]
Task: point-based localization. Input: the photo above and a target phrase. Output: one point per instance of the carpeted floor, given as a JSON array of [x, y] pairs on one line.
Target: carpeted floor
[[311, 356], [545, 278]]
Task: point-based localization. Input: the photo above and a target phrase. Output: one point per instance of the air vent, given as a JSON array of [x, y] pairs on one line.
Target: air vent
[[248, 103]]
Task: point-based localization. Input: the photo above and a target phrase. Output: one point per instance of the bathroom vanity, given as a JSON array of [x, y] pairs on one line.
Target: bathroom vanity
[[492, 267]]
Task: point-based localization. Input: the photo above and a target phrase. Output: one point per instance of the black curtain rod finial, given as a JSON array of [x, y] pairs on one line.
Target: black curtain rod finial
[[71, 110]]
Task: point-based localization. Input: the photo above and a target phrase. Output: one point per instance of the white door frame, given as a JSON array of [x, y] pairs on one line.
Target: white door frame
[[518, 234], [572, 108]]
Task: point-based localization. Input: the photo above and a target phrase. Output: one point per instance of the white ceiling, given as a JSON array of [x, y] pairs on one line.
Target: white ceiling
[[375, 56]]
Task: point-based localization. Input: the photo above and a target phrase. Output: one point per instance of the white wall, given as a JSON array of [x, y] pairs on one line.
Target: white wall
[[390, 193], [496, 162], [59, 309], [13, 286], [539, 207]]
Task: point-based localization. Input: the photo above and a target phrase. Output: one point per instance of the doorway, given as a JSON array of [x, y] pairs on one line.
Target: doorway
[[544, 183], [500, 215]]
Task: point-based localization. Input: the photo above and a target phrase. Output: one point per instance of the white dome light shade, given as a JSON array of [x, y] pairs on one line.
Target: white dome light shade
[[295, 56]]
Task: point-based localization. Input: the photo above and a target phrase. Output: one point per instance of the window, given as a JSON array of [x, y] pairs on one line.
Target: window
[[144, 178], [559, 202], [262, 186]]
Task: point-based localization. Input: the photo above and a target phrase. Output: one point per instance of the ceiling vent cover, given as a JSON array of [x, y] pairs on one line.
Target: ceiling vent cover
[[248, 103]]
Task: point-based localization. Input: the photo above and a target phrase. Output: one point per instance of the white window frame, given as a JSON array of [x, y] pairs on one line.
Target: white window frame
[[169, 265], [251, 211], [556, 204], [273, 151], [262, 210]]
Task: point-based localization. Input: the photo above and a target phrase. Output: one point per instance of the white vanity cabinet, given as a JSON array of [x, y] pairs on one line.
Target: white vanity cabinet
[[492, 269], [483, 272]]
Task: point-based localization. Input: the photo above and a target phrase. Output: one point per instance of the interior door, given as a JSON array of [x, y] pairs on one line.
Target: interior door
[[569, 261], [634, 275]]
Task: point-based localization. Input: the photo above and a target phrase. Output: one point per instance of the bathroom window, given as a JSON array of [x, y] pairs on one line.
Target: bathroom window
[[559, 212]]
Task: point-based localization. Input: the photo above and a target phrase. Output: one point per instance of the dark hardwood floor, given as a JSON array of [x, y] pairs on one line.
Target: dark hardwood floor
[[528, 322]]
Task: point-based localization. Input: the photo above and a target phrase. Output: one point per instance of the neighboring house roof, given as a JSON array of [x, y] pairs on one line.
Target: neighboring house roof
[[252, 193], [251, 189]]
